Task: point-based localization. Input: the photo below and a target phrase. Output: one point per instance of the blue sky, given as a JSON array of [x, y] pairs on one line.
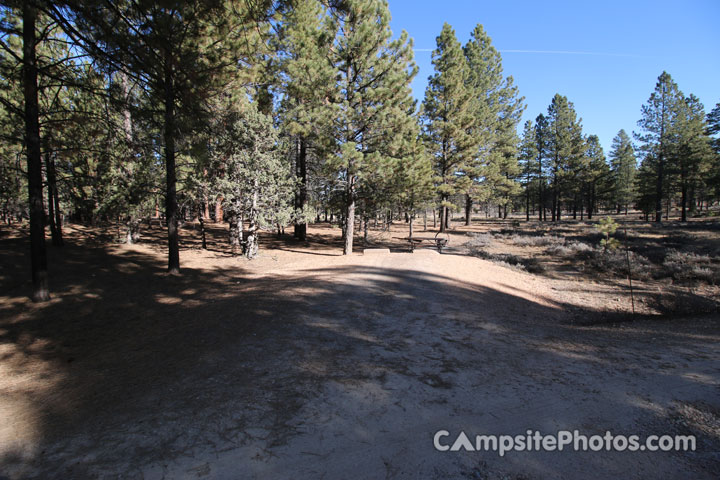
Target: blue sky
[[627, 44]]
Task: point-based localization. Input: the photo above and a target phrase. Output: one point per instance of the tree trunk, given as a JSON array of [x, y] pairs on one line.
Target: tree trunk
[[659, 188], [52, 200], [425, 220], [559, 210], [575, 206], [443, 214], [171, 207], [349, 230], [365, 229], [410, 226], [218, 209], [301, 199], [235, 228], [252, 243], [683, 201], [38, 254], [202, 211], [468, 210], [434, 218], [527, 204]]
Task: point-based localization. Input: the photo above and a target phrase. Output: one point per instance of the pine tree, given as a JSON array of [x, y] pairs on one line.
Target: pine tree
[[692, 157], [23, 32], [528, 157], [181, 51], [542, 139], [308, 85], [38, 254], [623, 167], [497, 112], [374, 100], [413, 180], [250, 175], [658, 135], [565, 151], [713, 122], [597, 175], [449, 112]]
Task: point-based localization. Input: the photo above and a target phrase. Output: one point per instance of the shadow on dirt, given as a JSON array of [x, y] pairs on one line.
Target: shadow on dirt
[[164, 366]]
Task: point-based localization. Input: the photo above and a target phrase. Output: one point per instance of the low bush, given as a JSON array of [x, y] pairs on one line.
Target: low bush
[[536, 241], [690, 267], [615, 262], [479, 241], [571, 249]]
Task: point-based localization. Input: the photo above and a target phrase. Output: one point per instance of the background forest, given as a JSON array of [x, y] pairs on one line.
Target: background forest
[[274, 114]]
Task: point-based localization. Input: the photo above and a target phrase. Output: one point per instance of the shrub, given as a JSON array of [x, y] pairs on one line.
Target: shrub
[[476, 247], [479, 241], [571, 249], [536, 241], [615, 262], [690, 267]]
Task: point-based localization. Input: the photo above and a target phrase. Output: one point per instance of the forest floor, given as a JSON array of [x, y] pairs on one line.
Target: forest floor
[[307, 364]]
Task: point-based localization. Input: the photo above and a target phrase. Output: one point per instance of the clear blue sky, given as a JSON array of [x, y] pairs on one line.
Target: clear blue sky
[[626, 45]]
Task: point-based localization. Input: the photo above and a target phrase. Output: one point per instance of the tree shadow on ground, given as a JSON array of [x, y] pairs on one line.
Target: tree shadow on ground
[[158, 367]]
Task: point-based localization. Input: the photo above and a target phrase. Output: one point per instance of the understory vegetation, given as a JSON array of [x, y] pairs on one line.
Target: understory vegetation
[[587, 255]]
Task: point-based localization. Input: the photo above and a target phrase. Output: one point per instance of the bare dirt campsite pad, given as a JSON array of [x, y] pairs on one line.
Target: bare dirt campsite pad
[[307, 364]]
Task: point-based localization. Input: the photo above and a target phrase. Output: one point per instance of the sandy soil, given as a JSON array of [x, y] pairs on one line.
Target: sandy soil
[[307, 364]]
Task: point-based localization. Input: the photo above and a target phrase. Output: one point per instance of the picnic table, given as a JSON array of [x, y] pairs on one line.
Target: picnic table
[[440, 241]]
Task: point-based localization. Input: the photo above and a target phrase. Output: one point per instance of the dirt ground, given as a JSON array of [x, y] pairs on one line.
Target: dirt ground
[[307, 364]]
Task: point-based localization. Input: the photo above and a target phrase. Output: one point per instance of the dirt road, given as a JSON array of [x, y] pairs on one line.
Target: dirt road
[[310, 365]]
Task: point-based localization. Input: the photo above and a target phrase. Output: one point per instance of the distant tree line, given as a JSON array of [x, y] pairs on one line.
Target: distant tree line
[[566, 172], [273, 114]]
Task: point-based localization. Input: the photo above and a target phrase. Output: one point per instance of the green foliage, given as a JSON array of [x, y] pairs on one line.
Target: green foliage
[[623, 170], [497, 110], [565, 150], [608, 226], [374, 101], [657, 137], [448, 115]]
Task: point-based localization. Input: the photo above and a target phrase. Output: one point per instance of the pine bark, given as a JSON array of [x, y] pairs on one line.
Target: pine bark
[[301, 199], [349, 215], [38, 253], [468, 210], [54, 215], [171, 210]]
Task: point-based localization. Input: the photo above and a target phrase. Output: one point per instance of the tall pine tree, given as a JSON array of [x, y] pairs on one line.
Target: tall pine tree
[[623, 169], [374, 99], [658, 135], [449, 111]]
